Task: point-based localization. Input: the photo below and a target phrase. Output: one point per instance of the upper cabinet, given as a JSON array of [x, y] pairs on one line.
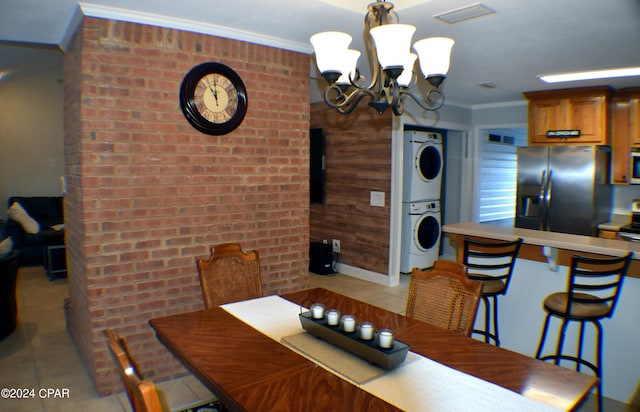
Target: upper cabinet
[[626, 132], [634, 115], [556, 116]]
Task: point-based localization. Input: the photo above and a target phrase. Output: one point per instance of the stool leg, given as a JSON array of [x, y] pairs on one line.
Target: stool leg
[[580, 339], [543, 336], [495, 320], [599, 363], [560, 346], [487, 318]]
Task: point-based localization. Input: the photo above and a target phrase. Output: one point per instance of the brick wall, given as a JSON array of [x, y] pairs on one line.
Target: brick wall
[[148, 194]]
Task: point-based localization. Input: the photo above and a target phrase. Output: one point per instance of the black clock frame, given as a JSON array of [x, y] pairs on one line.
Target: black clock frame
[[188, 106]]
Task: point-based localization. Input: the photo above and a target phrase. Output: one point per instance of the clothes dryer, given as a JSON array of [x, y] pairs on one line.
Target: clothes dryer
[[421, 233], [424, 161]]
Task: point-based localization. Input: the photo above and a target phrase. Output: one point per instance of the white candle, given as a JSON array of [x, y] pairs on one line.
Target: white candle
[[365, 331], [317, 310], [333, 317], [348, 323], [385, 338]]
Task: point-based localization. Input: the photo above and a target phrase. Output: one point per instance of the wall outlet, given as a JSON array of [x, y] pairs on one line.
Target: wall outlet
[[336, 245], [376, 199]]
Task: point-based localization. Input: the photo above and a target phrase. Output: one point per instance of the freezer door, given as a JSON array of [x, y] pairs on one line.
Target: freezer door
[[572, 171], [532, 177]]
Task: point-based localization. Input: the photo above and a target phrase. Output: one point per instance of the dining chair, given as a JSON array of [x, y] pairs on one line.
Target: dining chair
[[142, 393], [593, 288], [492, 263], [229, 275], [444, 296]]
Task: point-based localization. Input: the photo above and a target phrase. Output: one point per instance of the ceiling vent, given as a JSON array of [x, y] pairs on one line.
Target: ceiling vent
[[464, 13]]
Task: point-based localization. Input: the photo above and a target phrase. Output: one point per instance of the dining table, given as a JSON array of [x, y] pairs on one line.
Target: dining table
[[255, 356]]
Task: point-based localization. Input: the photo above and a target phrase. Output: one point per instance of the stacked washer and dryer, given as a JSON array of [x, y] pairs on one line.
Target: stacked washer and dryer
[[422, 185]]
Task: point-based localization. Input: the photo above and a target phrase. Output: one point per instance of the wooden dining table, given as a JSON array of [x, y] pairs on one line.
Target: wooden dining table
[[250, 371]]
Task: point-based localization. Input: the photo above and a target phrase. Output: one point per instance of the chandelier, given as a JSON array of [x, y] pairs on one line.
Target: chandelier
[[388, 44]]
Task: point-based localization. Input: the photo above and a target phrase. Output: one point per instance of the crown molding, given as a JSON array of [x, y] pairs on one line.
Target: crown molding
[[133, 16]]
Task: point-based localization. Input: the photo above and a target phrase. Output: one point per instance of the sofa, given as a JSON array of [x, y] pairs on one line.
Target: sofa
[[8, 305], [47, 212]]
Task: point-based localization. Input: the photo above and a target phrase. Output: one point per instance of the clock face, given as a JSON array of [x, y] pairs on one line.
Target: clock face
[[213, 98]]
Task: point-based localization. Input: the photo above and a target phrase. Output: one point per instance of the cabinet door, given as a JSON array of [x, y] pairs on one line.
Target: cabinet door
[[588, 115], [634, 119], [620, 141], [544, 115]]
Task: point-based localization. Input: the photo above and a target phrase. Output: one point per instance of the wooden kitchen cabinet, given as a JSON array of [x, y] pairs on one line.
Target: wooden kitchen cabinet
[[634, 115], [586, 109], [625, 132]]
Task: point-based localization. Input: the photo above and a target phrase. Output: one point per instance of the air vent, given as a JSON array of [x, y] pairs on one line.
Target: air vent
[[496, 138], [464, 13]]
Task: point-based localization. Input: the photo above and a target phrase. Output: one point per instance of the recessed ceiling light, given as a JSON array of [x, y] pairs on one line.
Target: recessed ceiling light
[[464, 13], [590, 75]]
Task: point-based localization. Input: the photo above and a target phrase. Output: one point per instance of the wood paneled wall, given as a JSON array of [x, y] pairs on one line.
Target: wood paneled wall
[[358, 161]]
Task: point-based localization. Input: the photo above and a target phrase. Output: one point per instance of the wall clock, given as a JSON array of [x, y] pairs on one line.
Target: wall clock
[[213, 98]]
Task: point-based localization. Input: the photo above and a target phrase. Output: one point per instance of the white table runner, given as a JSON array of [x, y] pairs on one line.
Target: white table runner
[[422, 385]]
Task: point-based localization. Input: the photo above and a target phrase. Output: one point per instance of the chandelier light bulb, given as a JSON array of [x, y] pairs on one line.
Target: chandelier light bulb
[[330, 47], [434, 54], [407, 74], [393, 43], [349, 63]]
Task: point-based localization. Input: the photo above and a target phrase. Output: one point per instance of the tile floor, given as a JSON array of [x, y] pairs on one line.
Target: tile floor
[[26, 361]]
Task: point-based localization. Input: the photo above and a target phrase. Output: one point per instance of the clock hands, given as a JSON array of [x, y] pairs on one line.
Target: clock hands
[[215, 93]]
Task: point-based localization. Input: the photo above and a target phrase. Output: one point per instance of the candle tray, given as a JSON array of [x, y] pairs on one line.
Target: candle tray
[[349, 341]]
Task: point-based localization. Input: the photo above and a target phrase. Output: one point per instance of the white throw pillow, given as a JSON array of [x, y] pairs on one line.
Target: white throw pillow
[[6, 246], [17, 213]]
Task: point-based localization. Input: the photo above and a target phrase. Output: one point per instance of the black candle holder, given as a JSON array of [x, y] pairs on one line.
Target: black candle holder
[[349, 341]]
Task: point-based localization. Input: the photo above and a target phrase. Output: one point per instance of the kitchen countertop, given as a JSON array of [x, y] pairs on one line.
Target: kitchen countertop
[[577, 243], [616, 222]]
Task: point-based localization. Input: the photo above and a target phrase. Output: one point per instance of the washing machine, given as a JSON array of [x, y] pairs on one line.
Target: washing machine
[[423, 165], [421, 233]]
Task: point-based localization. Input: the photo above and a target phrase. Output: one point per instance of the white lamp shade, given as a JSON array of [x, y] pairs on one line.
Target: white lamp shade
[[434, 54], [393, 43], [349, 62], [330, 47], [405, 78]]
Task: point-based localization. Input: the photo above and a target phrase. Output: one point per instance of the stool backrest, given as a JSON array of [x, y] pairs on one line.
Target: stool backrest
[[229, 275], [601, 278], [443, 296], [495, 259]]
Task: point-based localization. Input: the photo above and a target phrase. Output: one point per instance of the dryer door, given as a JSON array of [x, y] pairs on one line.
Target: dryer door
[[426, 233], [428, 161]]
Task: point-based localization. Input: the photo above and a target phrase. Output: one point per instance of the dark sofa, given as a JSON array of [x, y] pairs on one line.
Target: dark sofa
[[47, 211], [8, 305]]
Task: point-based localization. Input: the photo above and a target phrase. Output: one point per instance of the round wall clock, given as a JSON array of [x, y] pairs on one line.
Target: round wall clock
[[213, 98]]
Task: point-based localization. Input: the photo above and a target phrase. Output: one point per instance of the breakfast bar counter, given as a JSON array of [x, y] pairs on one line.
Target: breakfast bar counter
[[561, 246]]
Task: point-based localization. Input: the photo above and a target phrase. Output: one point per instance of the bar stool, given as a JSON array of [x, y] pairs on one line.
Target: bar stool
[[491, 263], [592, 293]]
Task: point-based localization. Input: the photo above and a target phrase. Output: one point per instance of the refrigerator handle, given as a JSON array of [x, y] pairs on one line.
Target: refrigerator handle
[[543, 199], [547, 205]]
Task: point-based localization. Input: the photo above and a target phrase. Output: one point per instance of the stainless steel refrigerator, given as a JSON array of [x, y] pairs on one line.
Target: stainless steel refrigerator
[[563, 188]]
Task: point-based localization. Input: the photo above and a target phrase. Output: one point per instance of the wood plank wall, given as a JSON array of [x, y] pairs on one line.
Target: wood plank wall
[[358, 161]]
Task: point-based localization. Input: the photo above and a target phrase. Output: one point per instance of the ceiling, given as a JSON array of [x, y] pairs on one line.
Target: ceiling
[[523, 39]]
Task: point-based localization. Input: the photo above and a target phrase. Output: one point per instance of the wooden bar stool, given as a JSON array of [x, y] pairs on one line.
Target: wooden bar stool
[[491, 263], [592, 293]]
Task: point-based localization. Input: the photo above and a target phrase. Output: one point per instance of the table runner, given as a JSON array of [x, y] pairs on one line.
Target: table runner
[[422, 385]]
